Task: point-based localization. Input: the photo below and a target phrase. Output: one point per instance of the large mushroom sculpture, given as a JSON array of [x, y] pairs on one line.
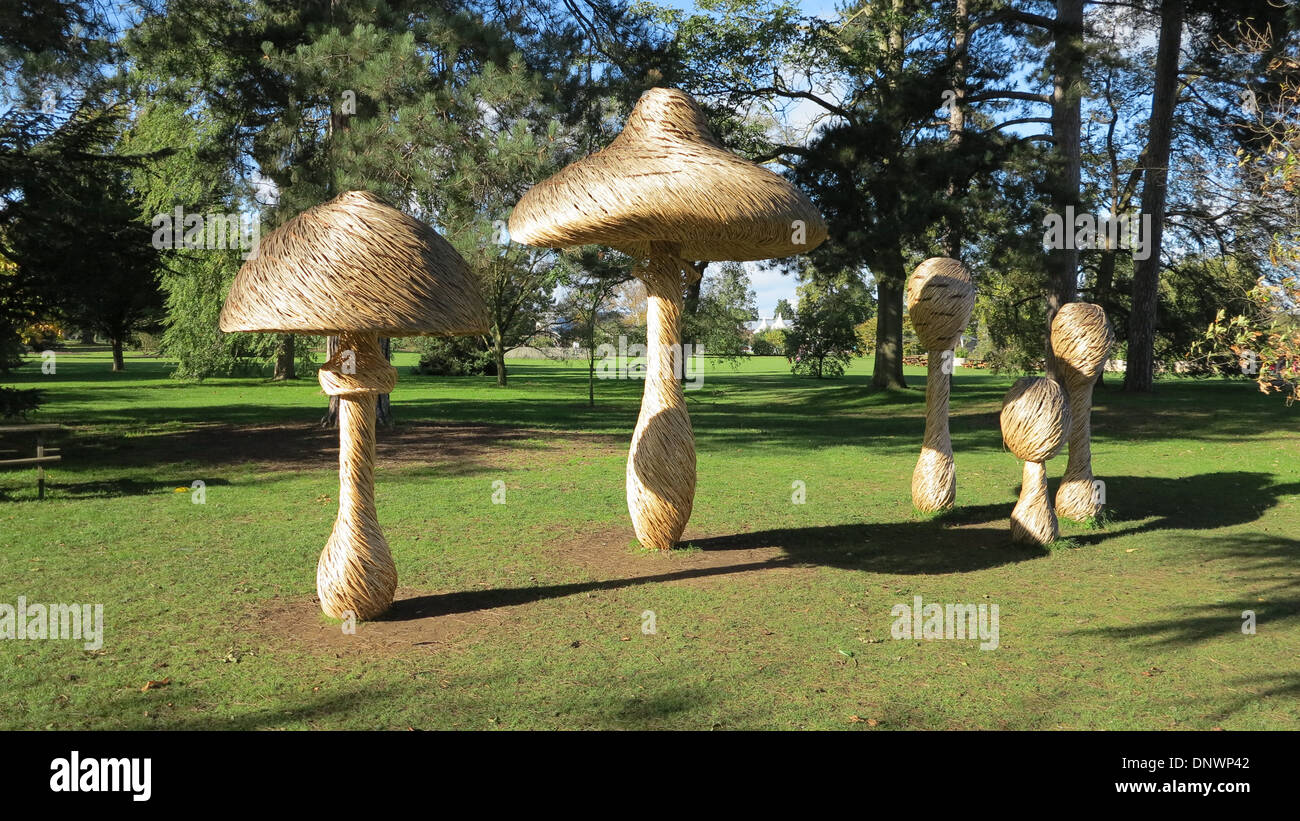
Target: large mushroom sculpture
[[940, 296], [1081, 341], [1035, 423], [358, 268], [664, 191]]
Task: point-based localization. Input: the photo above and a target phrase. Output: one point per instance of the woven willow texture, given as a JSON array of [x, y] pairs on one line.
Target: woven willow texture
[[358, 268], [666, 192], [665, 178], [1035, 421], [356, 571], [355, 263], [940, 296], [661, 462], [1081, 340]]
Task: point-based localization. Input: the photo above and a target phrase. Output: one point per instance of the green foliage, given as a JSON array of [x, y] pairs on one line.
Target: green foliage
[[454, 356], [76, 234], [1011, 316], [16, 403], [726, 303], [866, 331], [824, 337], [769, 343], [1263, 343]]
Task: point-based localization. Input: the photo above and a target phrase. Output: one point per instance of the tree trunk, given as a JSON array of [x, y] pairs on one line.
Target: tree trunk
[[1105, 280], [87, 337], [384, 401], [591, 356], [954, 233], [1140, 373], [119, 363], [692, 303], [888, 370], [499, 355], [1067, 83], [285, 367]]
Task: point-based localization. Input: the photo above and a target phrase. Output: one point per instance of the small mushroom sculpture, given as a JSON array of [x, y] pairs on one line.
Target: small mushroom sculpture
[[940, 296], [359, 268], [1081, 341], [1035, 421], [666, 192]]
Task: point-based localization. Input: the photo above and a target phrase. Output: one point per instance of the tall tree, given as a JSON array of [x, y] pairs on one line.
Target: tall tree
[[1140, 372]]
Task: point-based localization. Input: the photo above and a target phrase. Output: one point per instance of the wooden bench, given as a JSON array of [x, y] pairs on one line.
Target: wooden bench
[[42, 453]]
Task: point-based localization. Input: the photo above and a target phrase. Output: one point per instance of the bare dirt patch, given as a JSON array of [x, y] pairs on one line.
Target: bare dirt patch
[[435, 621], [299, 624]]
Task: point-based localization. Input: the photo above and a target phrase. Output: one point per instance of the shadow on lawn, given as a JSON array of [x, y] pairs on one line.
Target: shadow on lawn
[[1267, 586], [1202, 502], [107, 488], [329, 707], [467, 601], [964, 540]]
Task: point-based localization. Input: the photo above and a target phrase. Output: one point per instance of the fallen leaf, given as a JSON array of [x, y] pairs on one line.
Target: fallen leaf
[[154, 685]]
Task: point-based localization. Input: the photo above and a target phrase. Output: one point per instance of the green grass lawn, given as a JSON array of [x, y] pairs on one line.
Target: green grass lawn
[[529, 614]]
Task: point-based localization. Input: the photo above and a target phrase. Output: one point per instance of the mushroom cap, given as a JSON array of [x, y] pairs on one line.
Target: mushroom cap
[[355, 263], [940, 296], [1081, 340], [1035, 418], [666, 179]]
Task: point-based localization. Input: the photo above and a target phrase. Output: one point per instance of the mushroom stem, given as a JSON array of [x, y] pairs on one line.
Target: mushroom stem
[[1076, 497], [934, 481], [1032, 520], [356, 572], [661, 463]]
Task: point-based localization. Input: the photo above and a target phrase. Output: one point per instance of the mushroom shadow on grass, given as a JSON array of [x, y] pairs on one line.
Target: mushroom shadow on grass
[[357, 268], [666, 192]]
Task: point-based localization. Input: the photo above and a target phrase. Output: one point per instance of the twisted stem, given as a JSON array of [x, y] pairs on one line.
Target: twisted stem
[[356, 573], [1032, 520], [661, 462], [934, 481], [1076, 498]]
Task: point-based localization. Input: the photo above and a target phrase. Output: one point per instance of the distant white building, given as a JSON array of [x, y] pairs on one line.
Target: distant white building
[[776, 324]]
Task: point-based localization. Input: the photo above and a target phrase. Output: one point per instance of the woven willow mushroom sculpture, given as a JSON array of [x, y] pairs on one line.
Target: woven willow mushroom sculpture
[[1081, 341], [361, 269], [666, 192], [940, 297], [1035, 421]]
